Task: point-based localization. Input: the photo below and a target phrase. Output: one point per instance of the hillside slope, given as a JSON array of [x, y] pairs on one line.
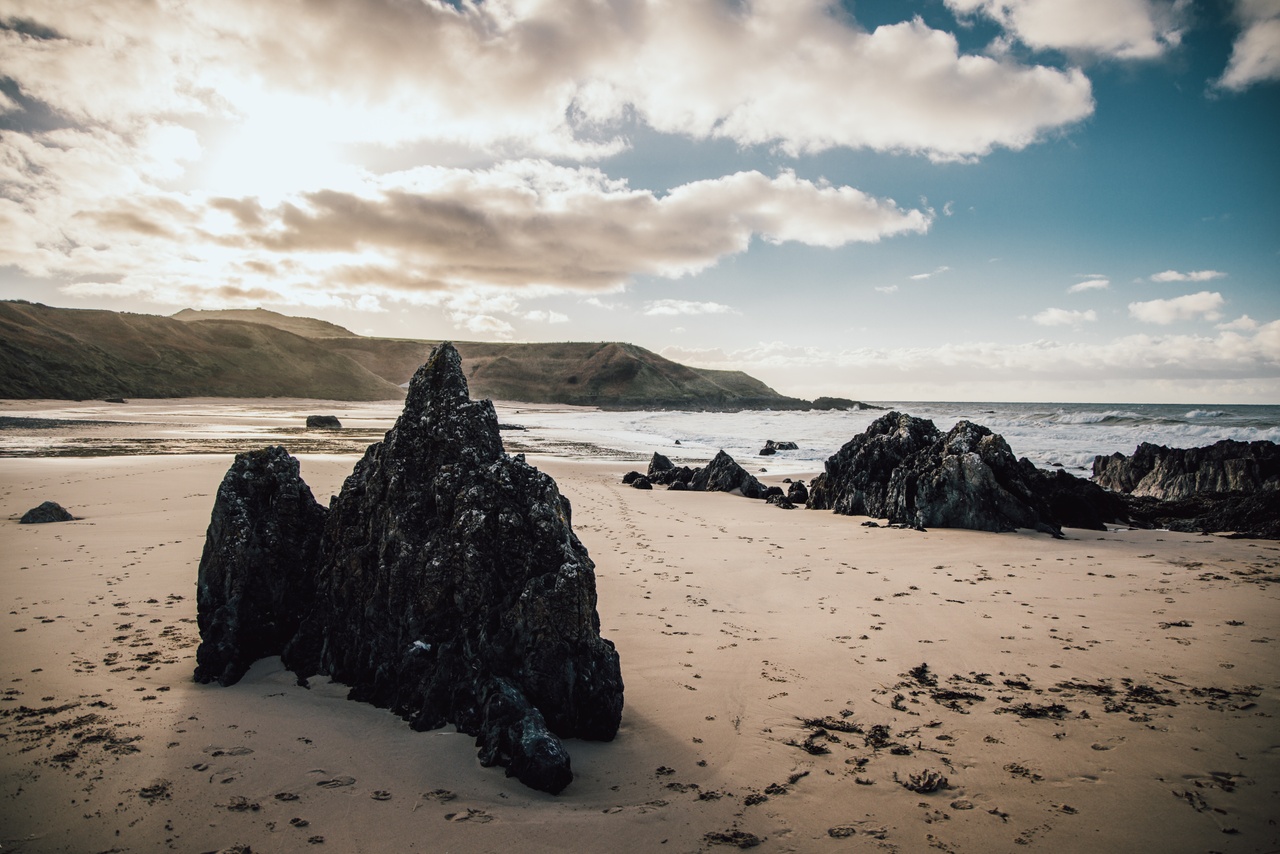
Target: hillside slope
[[307, 327], [78, 354], [609, 375]]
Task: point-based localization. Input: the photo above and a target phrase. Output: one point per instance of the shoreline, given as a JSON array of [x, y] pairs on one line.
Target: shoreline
[[735, 622]]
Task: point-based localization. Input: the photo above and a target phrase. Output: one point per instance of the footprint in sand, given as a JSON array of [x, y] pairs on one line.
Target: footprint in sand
[[286, 796], [381, 795], [336, 782], [228, 751], [478, 816], [441, 795]]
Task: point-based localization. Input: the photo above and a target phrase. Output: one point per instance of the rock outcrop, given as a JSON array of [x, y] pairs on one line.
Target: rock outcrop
[[323, 422], [856, 478], [48, 511], [1227, 486], [256, 577], [450, 588], [904, 469], [1154, 471], [723, 474]]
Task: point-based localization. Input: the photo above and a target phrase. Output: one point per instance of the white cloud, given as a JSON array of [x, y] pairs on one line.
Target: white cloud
[[1192, 276], [1094, 283], [1064, 317], [1255, 56], [1124, 29], [888, 289], [524, 225], [538, 78], [484, 324], [671, 307], [1228, 362], [1189, 307], [1243, 323], [921, 276], [542, 316]]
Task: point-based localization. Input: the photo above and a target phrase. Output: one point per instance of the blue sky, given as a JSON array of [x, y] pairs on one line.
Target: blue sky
[[1056, 200]]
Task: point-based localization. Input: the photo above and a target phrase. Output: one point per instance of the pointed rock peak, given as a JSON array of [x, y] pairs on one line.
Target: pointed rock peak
[[439, 381], [439, 412]]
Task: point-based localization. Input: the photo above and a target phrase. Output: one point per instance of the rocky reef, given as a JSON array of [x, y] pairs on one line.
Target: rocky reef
[[447, 585], [1227, 486], [905, 469]]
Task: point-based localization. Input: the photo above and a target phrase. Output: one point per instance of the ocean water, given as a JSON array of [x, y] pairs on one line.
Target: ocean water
[[1067, 434], [1070, 435]]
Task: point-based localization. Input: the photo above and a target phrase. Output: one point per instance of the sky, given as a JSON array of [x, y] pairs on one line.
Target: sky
[[1000, 200]]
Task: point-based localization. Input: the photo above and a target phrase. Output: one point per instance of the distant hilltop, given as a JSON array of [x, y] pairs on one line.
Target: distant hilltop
[[79, 354]]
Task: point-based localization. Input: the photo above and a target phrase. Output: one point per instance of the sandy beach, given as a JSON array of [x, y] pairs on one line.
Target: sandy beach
[[793, 678]]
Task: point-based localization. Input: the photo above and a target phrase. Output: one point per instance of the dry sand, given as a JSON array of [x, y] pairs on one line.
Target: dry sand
[[1107, 692]]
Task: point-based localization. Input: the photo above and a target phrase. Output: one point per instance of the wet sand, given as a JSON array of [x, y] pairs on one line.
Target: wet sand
[[792, 678]]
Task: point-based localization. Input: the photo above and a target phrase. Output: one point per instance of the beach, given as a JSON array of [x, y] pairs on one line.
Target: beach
[[793, 679]]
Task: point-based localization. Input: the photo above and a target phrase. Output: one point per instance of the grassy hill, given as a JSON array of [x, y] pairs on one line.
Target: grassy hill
[[78, 354], [307, 327]]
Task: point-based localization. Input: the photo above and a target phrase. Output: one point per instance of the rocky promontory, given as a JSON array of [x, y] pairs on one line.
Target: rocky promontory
[[448, 586], [905, 469]]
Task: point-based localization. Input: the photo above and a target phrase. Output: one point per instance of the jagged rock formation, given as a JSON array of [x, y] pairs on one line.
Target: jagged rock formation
[[255, 580], [906, 470], [450, 587], [1155, 471], [856, 478], [723, 474], [663, 471], [323, 422], [1227, 486], [48, 511]]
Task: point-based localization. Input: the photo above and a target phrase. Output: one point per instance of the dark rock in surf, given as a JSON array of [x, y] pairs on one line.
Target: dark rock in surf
[[450, 588], [323, 422], [48, 511], [904, 469], [1154, 471], [1228, 486]]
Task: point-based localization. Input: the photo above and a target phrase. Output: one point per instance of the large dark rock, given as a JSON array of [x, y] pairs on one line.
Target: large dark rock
[[1154, 471], [323, 422], [1227, 486], [256, 577], [48, 511], [967, 479], [1250, 515], [797, 493], [659, 464], [450, 588], [904, 469], [723, 474], [856, 479], [1074, 502]]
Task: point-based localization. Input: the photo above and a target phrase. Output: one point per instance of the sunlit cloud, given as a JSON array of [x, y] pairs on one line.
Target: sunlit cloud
[[1124, 29], [921, 276], [1192, 276], [1255, 55], [672, 307], [1202, 305], [1093, 283], [1243, 323], [1064, 317]]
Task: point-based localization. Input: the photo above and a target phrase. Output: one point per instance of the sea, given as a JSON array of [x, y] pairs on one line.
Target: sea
[[1068, 435]]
